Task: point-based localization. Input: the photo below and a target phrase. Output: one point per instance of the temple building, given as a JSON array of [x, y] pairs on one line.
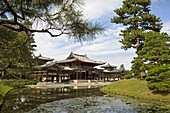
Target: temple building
[[111, 72], [74, 68]]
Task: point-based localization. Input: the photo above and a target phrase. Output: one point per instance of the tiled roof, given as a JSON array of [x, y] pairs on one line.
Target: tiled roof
[[107, 65], [64, 61], [51, 64], [45, 58], [73, 57]]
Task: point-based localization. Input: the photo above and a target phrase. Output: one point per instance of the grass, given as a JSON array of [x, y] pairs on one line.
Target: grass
[[136, 88]]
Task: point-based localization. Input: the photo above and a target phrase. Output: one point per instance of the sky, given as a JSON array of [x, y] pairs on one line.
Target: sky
[[106, 47]]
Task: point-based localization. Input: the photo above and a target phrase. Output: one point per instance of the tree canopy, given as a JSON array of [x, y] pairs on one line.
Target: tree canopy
[[143, 33], [122, 67], [56, 17], [135, 14], [19, 19], [155, 56], [19, 60]]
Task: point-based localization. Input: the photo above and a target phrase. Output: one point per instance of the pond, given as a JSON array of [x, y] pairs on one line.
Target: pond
[[75, 100]]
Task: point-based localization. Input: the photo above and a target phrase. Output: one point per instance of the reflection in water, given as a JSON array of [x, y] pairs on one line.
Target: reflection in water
[[27, 99], [75, 99]]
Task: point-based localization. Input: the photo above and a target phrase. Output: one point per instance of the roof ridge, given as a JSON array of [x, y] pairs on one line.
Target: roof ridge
[[79, 54]]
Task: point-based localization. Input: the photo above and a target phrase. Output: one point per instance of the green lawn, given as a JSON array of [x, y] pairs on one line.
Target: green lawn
[[136, 88]]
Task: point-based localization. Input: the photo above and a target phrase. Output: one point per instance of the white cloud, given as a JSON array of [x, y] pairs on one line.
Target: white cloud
[[95, 9], [157, 1], [166, 27], [105, 48]]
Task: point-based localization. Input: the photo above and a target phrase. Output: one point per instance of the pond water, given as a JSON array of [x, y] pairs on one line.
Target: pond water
[[75, 100]]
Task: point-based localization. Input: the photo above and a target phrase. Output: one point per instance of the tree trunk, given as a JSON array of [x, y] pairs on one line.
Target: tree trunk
[[157, 53], [137, 45], [2, 75]]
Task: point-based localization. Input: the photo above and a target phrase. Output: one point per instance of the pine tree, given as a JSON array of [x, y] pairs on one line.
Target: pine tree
[[15, 60], [135, 14], [122, 67], [55, 17], [156, 57]]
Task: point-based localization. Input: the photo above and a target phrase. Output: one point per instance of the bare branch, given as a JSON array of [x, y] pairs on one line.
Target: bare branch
[[11, 74], [13, 12], [6, 66], [24, 28], [4, 12], [14, 28]]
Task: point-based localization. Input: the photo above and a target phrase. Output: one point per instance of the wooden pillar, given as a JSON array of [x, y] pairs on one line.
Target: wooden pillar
[[80, 75], [76, 75], [40, 78], [36, 77], [59, 78], [47, 76], [52, 78], [87, 75]]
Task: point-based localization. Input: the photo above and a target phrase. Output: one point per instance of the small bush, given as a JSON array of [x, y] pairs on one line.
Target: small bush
[[138, 76], [160, 86], [128, 76], [18, 83]]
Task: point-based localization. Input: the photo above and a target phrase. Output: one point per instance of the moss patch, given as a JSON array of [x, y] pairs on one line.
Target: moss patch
[[136, 88], [3, 90], [7, 85]]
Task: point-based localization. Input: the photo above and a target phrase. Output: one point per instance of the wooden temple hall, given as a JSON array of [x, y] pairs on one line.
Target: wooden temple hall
[[74, 68]]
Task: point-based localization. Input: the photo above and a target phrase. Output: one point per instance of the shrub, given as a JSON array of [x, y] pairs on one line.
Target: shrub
[[128, 76], [138, 76], [159, 86]]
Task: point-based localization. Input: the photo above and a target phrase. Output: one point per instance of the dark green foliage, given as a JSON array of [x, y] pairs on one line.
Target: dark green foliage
[[142, 33], [19, 19], [21, 58], [128, 76], [156, 57], [62, 16], [135, 14], [136, 66], [122, 67], [18, 83]]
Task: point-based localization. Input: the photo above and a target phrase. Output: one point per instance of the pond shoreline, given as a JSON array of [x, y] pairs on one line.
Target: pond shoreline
[[109, 92], [75, 99], [59, 85], [136, 88]]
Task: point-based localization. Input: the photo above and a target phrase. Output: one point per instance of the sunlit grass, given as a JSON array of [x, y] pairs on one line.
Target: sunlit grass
[[136, 88]]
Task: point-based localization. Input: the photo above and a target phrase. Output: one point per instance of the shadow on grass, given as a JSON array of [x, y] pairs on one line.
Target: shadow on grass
[[161, 93]]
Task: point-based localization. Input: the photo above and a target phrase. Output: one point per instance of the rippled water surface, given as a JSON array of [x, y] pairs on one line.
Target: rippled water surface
[[75, 100]]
